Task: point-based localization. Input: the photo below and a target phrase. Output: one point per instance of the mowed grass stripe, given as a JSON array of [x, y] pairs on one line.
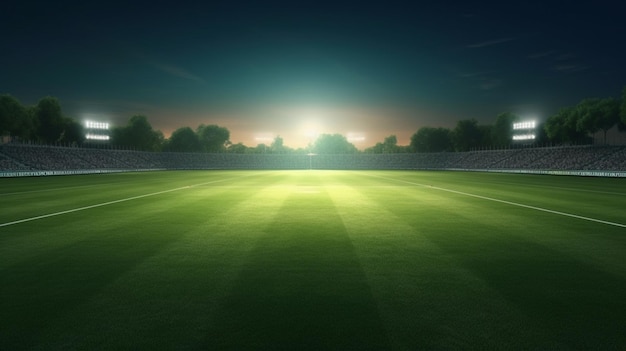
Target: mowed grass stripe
[[302, 286], [562, 297], [246, 263], [536, 208], [23, 241], [606, 205], [26, 240], [70, 192], [38, 294], [565, 297], [106, 203], [169, 300], [425, 296]]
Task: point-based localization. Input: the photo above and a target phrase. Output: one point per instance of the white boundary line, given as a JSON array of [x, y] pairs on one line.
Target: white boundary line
[[509, 202], [107, 203], [391, 179], [572, 189]]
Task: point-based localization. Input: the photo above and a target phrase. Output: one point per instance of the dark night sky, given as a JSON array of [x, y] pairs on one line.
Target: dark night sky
[[263, 69]]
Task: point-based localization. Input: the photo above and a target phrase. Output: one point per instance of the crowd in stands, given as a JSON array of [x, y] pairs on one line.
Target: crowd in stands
[[7, 163], [19, 157]]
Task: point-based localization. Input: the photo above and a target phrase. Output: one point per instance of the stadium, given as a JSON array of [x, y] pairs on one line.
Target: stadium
[[497, 249], [323, 175], [588, 160]]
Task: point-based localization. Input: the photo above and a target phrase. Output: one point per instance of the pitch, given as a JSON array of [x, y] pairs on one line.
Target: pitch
[[312, 260]]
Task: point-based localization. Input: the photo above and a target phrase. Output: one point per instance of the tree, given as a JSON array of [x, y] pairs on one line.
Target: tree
[[119, 137], [259, 149], [390, 145], [466, 135], [555, 125], [429, 139], [15, 118], [137, 134], [333, 144], [502, 131], [562, 127], [213, 138], [238, 148], [73, 132], [49, 120], [486, 131], [376, 149], [141, 135], [277, 146], [597, 114], [184, 139], [159, 140]]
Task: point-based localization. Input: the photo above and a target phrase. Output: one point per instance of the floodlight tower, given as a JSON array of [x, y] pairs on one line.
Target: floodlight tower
[[96, 131], [524, 132]]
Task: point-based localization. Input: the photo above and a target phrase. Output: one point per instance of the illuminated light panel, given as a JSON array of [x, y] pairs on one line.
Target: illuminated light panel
[[524, 137], [96, 125], [525, 125], [97, 137]]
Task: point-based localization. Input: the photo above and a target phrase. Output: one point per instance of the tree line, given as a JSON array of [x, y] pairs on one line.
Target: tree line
[[570, 125], [45, 123]]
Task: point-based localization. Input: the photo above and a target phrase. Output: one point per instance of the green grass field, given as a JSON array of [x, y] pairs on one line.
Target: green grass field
[[312, 260]]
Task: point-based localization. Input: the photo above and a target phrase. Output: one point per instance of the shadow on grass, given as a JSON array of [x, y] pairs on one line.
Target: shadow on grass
[[573, 303], [556, 300], [36, 292], [566, 302], [301, 288]]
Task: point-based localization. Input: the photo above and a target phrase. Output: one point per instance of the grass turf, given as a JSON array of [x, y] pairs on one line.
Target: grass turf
[[312, 260]]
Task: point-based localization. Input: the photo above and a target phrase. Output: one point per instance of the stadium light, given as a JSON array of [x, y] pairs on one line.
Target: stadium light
[[525, 125], [524, 131], [90, 136], [96, 125], [96, 130], [524, 137]]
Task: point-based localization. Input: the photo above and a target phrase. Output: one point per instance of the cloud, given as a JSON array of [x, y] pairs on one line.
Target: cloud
[[489, 43], [177, 72]]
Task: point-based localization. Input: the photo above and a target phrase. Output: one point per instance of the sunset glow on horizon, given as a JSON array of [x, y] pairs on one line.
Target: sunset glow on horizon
[[281, 69]]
